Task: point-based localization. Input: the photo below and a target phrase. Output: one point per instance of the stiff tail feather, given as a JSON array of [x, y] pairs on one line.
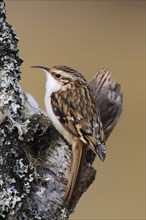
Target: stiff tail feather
[[101, 151], [74, 178]]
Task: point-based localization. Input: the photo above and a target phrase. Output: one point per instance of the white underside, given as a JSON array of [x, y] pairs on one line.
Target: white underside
[[53, 86]]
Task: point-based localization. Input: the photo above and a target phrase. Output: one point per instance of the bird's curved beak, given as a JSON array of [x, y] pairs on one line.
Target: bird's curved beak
[[41, 67]]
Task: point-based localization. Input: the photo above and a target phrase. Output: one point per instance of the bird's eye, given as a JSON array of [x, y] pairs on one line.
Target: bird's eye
[[58, 75]]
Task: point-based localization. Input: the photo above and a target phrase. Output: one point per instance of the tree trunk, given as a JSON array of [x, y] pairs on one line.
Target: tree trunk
[[35, 160]]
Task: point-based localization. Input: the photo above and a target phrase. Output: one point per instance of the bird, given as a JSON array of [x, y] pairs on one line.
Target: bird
[[70, 105]]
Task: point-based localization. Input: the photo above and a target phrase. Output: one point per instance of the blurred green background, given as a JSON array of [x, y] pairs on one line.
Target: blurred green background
[[90, 35]]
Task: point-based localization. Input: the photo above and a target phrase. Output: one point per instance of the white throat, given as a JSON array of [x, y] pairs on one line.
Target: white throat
[[52, 85]]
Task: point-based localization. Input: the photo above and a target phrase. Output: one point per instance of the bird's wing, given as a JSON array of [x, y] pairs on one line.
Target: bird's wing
[[76, 111]]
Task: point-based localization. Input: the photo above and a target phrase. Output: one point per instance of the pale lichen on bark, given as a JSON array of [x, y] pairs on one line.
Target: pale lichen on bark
[[34, 159]]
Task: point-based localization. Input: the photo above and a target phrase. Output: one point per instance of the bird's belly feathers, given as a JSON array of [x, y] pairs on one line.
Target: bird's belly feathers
[[55, 120]]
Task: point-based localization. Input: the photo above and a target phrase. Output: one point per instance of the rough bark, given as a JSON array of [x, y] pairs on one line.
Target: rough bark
[[34, 159]]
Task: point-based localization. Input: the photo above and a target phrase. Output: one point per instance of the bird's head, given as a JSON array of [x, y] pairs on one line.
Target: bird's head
[[59, 76]]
